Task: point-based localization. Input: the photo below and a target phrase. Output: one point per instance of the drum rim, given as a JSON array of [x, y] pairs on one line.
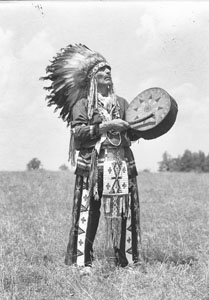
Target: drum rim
[[164, 125]]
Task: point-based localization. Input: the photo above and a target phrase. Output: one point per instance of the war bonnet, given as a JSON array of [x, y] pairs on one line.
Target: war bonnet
[[72, 75]]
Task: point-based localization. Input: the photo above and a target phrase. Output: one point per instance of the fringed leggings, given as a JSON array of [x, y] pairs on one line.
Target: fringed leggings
[[85, 220]]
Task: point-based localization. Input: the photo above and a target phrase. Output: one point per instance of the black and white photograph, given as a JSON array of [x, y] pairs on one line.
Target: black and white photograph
[[104, 150]]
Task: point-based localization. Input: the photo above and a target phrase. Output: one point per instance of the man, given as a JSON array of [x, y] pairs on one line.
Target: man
[[105, 171]]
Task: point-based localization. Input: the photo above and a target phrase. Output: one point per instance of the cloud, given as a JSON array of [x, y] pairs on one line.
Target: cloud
[[23, 71], [38, 48], [175, 45], [5, 40], [147, 32], [28, 127], [192, 103], [6, 58]]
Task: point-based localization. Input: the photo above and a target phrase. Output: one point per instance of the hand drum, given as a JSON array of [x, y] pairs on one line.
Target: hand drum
[[152, 113]]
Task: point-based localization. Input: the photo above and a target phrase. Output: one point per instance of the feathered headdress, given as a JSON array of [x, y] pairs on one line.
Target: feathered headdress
[[72, 74]]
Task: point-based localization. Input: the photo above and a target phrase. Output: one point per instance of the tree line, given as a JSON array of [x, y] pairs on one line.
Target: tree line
[[35, 164], [188, 162]]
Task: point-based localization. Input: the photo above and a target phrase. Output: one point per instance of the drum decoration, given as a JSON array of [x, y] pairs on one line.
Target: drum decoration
[[152, 113]]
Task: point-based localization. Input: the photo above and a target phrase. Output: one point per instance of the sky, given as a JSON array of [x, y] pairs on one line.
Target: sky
[[148, 44]]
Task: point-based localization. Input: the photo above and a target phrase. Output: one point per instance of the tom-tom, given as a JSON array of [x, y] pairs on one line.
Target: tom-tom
[[152, 113]]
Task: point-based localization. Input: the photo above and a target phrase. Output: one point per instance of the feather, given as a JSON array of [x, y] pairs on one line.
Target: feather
[[69, 75]]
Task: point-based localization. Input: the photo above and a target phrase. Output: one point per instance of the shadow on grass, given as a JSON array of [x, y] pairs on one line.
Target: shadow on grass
[[152, 255]]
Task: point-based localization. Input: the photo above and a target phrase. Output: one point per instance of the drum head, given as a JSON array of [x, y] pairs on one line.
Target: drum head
[[152, 113]]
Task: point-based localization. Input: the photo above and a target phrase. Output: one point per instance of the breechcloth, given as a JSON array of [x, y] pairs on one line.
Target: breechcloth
[[122, 213]]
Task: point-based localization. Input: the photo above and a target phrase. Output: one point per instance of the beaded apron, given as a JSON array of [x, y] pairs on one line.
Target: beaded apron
[[115, 193]]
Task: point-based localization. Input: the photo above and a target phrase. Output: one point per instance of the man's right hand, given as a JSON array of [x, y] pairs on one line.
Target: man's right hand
[[115, 125]]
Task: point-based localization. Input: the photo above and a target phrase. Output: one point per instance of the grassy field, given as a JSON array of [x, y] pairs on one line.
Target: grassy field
[[35, 212]]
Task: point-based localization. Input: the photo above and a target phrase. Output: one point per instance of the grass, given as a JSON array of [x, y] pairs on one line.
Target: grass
[[35, 210]]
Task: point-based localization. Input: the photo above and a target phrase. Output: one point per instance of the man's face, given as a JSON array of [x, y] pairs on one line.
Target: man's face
[[103, 76]]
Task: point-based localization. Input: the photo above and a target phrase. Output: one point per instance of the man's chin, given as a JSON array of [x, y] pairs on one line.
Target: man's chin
[[108, 82]]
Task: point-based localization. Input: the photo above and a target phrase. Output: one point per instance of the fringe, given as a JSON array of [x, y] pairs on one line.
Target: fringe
[[93, 177], [72, 150], [113, 232], [121, 203], [114, 218]]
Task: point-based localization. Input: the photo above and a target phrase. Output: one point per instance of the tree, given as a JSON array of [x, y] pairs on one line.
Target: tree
[[198, 161], [63, 167], [188, 162], [164, 165], [206, 164], [34, 164], [175, 164]]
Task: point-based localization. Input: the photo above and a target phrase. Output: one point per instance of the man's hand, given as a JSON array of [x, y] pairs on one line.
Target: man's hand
[[115, 125]]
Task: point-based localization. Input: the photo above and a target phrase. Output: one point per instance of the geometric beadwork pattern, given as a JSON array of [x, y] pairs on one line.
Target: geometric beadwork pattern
[[115, 178], [115, 188], [128, 243], [83, 220]]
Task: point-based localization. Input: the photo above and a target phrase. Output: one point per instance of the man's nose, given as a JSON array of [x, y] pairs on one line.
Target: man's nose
[[107, 71]]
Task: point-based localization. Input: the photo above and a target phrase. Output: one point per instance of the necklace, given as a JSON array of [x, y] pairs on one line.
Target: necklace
[[111, 142], [106, 109]]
